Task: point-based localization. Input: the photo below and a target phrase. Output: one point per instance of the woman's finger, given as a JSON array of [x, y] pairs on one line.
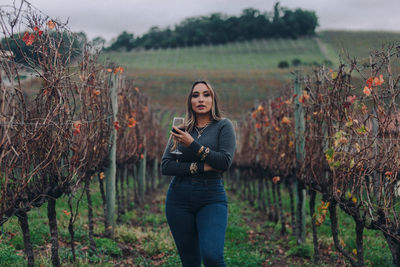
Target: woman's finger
[[175, 134], [178, 130]]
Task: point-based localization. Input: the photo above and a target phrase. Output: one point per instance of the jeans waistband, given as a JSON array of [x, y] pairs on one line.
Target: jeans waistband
[[180, 179]]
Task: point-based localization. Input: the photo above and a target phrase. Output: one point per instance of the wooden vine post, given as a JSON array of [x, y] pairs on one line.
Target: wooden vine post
[[142, 177], [301, 191], [111, 171]]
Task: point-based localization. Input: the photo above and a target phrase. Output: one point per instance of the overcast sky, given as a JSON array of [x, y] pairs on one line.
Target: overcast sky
[[108, 18]]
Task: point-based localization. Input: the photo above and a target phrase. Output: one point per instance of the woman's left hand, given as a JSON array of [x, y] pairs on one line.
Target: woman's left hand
[[182, 137]]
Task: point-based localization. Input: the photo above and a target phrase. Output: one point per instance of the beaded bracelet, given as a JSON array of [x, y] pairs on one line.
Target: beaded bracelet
[[193, 168], [200, 151], [205, 154]]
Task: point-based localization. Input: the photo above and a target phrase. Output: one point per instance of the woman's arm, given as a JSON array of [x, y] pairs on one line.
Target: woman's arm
[[170, 165], [222, 159]]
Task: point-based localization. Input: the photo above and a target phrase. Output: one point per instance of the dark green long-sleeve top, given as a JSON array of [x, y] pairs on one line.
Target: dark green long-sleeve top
[[219, 137]]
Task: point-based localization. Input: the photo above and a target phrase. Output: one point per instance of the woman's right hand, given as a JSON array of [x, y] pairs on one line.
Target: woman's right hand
[[208, 168]]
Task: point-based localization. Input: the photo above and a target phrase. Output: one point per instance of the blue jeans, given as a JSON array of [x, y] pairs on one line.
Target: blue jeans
[[197, 214]]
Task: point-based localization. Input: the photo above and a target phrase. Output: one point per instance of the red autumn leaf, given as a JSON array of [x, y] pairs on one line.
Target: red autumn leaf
[[116, 125], [66, 212], [25, 37], [77, 128], [40, 33], [367, 91], [369, 82], [285, 120], [131, 122], [96, 92], [142, 156], [276, 179], [29, 40], [378, 81], [76, 131], [118, 69], [51, 24], [351, 99], [258, 125], [36, 28]]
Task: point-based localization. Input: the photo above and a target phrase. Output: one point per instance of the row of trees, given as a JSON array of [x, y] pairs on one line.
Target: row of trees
[[55, 140], [219, 29], [334, 138]]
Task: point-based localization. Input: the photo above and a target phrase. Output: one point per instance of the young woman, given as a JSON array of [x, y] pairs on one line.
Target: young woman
[[196, 204]]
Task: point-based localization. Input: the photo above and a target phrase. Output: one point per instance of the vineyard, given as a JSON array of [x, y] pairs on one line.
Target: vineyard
[[81, 139]]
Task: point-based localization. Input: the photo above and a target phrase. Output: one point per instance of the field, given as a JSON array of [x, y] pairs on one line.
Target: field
[[242, 73]]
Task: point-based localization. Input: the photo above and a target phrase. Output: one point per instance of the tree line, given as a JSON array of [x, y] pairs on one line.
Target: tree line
[[219, 28]]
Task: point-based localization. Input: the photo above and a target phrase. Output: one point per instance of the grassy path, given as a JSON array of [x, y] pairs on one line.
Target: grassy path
[[143, 238]]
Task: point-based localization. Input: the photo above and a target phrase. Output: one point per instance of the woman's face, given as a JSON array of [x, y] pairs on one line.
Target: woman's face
[[201, 99]]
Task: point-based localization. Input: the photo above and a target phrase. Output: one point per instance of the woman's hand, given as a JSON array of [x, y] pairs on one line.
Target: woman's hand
[[182, 137], [208, 168]]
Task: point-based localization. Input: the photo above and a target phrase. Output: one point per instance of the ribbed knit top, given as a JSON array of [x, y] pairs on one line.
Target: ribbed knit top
[[219, 137]]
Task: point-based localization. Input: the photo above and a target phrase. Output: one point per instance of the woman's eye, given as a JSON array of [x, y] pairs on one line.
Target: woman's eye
[[196, 95], [206, 94]]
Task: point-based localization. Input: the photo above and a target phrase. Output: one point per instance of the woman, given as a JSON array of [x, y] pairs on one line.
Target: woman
[[196, 204]]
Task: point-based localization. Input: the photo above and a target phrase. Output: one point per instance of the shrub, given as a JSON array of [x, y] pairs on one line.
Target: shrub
[[283, 64], [296, 62], [327, 62], [108, 246], [9, 257], [303, 250]]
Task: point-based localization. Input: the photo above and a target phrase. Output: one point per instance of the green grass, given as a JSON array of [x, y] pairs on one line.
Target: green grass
[[358, 43], [238, 56], [143, 238], [376, 250]]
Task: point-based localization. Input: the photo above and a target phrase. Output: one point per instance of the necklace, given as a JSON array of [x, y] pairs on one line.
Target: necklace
[[200, 132]]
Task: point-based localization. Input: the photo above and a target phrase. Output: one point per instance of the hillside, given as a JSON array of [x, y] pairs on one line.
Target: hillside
[[241, 72]]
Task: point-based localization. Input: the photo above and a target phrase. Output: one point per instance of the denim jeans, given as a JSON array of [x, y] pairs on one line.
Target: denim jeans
[[197, 214]]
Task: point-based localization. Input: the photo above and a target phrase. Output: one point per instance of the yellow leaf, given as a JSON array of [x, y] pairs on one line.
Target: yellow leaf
[[334, 75], [285, 120], [351, 163], [358, 148], [355, 251]]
